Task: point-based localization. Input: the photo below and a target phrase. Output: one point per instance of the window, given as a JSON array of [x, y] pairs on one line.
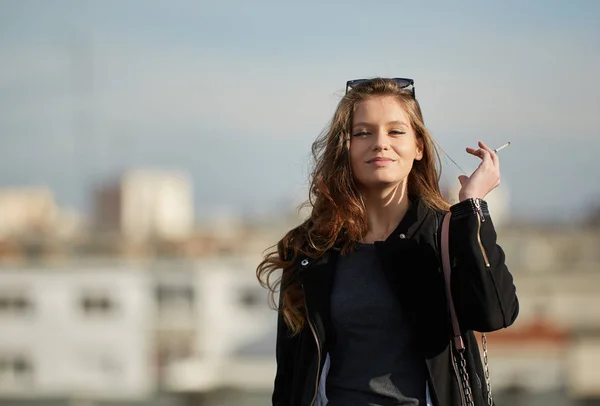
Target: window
[[175, 297], [15, 369], [251, 297], [15, 303], [97, 304]]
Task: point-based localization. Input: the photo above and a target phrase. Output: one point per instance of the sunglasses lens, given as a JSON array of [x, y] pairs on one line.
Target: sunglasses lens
[[400, 81], [403, 82], [352, 83]]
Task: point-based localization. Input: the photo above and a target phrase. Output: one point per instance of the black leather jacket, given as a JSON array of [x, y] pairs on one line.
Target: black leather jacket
[[483, 291]]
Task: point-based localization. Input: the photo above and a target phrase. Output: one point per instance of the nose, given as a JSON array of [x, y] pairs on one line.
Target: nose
[[381, 140]]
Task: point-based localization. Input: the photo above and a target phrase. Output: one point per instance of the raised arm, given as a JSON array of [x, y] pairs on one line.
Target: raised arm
[[482, 286]]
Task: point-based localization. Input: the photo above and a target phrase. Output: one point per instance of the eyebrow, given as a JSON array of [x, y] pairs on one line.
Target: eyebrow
[[365, 124]]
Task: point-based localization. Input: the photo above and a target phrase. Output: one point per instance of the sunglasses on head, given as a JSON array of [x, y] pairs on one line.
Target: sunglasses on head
[[403, 83]]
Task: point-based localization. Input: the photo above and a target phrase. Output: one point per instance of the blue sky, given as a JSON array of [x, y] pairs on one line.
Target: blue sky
[[235, 92]]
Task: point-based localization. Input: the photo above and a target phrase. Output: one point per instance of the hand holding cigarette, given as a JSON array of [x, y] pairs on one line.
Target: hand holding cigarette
[[487, 175]]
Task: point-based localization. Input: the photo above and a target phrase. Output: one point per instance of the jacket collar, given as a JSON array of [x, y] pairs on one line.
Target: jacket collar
[[406, 230], [411, 222]]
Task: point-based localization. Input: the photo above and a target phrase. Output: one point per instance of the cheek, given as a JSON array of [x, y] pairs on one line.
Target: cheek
[[408, 149], [354, 156], [404, 150], [360, 173]]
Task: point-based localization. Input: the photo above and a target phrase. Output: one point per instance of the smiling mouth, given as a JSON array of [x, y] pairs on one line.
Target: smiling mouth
[[382, 160]]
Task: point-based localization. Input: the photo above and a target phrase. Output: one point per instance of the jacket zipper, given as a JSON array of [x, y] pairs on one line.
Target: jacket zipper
[[314, 332], [480, 219], [457, 376]]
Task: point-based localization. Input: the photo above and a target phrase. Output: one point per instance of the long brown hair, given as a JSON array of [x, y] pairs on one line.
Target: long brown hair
[[338, 217]]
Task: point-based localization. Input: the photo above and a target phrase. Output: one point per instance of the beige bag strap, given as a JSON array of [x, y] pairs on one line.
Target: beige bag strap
[[459, 344], [458, 340]]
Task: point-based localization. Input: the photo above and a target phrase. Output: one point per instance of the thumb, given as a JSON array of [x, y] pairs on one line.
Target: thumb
[[463, 179]]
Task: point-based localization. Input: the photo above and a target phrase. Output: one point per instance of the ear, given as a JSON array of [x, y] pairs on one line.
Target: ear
[[419, 154]]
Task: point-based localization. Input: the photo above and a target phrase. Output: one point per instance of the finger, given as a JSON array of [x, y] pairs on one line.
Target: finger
[[490, 166], [484, 146], [486, 160], [486, 157], [493, 154], [483, 154], [462, 179], [475, 152]]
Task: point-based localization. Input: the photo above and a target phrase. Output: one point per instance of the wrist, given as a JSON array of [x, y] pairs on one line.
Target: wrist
[[469, 207], [466, 196]]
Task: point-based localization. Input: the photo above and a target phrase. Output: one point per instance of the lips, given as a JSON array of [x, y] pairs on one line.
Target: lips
[[380, 159]]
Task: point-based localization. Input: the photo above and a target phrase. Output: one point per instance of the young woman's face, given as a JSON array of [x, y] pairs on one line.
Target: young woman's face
[[383, 144]]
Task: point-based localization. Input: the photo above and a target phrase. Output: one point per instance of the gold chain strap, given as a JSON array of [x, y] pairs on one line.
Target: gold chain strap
[[464, 377], [487, 370]]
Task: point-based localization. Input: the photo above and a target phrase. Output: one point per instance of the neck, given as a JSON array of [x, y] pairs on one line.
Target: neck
[[385, 208]]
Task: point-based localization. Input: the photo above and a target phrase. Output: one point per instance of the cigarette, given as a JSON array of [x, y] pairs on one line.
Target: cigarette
[[502, 147]]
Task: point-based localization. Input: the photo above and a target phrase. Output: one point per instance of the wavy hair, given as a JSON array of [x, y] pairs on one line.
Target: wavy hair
[[338, 218]]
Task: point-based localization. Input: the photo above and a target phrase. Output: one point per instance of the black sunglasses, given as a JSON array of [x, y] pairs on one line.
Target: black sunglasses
[[402, 82]]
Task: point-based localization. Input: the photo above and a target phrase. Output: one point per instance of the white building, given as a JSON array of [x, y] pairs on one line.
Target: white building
[[76, 332], [108, 332], [235, 337]]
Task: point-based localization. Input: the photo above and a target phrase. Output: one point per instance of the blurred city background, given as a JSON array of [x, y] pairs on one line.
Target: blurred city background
[[151, 150]]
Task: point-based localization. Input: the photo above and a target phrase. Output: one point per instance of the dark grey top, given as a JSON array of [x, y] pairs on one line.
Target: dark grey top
[[374, 362]]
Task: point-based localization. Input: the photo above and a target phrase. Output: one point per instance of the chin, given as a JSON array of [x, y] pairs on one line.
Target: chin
[[381, 183]]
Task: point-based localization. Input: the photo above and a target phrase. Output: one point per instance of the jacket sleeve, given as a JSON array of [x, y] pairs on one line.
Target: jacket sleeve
[[284, 354], [482, 287]]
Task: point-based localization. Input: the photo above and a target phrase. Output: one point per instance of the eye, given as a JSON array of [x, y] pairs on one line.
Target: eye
[[361, 134], [397, 132]]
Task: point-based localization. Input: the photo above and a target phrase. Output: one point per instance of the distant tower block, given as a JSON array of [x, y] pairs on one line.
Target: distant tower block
[[156, 204], [27, 210]]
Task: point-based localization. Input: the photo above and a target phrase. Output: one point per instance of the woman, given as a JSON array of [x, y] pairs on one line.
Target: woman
[[363, 318]]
